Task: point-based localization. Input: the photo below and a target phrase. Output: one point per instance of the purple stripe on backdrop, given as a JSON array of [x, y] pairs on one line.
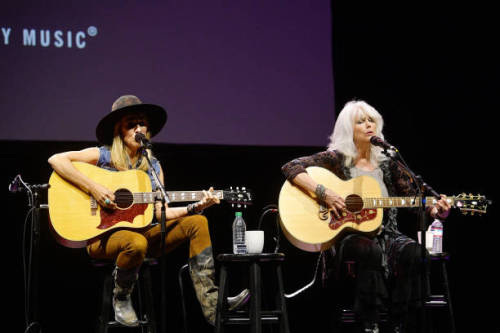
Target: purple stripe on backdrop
[[228, 72]]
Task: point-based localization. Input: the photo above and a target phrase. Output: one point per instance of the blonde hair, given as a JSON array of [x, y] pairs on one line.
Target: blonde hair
[[341, 138], [119, 156]]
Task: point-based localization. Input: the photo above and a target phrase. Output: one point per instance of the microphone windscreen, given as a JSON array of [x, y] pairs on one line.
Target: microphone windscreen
[[139, 137]]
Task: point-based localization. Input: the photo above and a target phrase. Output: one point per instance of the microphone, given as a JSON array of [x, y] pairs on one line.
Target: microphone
[[14, 185], [141, 138], [17, 185], [376, 141]]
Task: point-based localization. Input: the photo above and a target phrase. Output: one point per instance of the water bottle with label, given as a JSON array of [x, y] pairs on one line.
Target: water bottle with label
[[437, 236], [239, 229]]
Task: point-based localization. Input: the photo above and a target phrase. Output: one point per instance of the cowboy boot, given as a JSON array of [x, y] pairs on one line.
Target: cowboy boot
[[122, 301], [202, 271]]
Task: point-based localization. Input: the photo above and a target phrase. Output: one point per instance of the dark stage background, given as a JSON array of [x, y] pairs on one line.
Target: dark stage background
[[430, 71]]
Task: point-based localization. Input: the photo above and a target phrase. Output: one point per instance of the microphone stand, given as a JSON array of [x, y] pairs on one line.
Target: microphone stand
[[421, 188], [31, 265], [164, 200]]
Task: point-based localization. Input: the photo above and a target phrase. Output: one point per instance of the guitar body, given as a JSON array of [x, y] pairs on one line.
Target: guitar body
[[310, 230], [77, 219]]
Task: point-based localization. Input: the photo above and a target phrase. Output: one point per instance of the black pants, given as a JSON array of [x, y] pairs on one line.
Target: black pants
[[398, 292]]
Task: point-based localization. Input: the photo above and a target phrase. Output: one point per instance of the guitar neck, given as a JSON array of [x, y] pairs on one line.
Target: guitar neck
[[399, 202], [174, 196]]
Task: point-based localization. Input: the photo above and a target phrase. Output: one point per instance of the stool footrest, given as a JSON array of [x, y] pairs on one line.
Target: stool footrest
[[242, 318], [114, 323], [436, 300]]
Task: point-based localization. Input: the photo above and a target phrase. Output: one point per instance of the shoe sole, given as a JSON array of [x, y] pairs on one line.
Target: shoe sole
[[242, 302]]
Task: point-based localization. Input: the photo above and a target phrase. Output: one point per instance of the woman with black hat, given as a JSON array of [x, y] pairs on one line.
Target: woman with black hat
[[120, 151]]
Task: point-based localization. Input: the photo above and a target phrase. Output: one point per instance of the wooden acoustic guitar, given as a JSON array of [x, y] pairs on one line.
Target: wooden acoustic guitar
[[312, 227], [77, 219]]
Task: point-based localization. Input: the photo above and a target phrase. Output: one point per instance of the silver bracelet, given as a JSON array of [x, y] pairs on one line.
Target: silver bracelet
[[320, 192], [192, 209]]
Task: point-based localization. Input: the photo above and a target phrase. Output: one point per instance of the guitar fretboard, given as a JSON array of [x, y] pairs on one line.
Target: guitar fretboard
[[174, 196], [401, 202]]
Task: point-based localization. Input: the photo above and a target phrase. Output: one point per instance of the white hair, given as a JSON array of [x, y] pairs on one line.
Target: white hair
[[342, 137]]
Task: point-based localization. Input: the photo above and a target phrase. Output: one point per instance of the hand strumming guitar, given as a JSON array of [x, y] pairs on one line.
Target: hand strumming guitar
[[335, 202]]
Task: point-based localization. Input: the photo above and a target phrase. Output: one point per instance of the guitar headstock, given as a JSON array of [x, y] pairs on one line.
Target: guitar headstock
[[473, 204], [239, 197]]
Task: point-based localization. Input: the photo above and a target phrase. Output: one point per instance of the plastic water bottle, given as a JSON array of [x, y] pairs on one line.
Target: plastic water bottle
[[437, 236], [239, 228]]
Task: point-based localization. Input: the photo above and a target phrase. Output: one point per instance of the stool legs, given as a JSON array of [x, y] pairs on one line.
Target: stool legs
[[255, 316], [448, 298], [255, 300], [107, 290], [219, 325], [147, 295], [183, 303], [284, 328]]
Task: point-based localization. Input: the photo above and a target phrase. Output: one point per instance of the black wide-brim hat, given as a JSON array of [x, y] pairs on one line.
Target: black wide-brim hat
[[129, 104]]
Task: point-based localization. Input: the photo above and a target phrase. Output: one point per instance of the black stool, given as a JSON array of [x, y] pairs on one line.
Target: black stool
[[255, 316], [145, 309], [444, 299]]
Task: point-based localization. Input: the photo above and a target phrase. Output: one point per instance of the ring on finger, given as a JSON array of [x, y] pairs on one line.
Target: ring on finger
[[107, 201]]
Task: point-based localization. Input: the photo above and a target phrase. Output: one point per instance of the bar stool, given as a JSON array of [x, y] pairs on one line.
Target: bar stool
[[443, 299], [254, 316], [145, 301]]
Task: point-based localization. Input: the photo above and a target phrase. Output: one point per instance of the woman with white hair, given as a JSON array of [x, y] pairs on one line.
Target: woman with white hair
[[388, 264]]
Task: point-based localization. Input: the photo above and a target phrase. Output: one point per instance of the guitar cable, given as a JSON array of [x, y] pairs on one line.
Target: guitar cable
[[271, 209], [310, 284], [274, 209]]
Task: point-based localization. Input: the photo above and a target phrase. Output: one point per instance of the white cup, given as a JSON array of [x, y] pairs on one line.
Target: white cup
[[428, 240], [254, 240]]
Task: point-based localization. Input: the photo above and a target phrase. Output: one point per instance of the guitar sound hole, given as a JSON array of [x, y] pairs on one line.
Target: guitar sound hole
[[354, 203], [124, 198]]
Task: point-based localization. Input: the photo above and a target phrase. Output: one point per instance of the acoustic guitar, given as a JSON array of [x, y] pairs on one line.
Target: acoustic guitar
[[77, 219], [312, 227]]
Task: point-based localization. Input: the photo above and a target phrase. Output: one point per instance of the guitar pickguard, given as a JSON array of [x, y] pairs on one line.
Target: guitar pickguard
[[110, 217], [358, 218]]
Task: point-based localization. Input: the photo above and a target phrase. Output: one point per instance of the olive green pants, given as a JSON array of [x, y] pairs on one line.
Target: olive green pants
[[130, 247]]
